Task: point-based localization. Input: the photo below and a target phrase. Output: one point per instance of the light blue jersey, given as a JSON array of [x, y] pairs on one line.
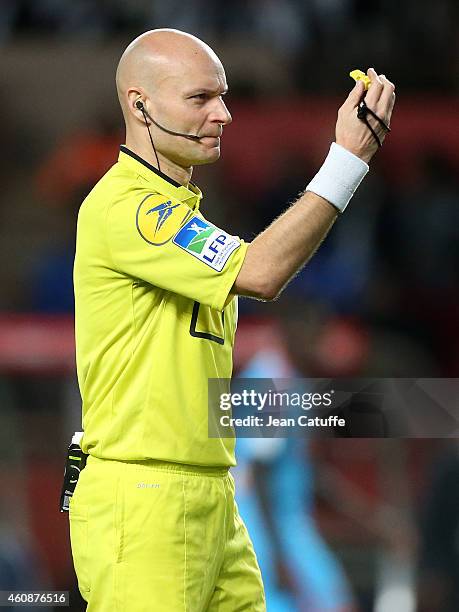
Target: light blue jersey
[[319, 581]]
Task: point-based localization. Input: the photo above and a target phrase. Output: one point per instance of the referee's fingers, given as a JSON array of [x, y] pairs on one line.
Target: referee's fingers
[[355, 96], [375, 89], [387, 99]]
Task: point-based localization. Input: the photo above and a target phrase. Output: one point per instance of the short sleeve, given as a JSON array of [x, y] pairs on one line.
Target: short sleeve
[[162, 241]]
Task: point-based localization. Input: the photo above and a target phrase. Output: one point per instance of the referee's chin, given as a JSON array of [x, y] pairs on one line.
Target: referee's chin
[[208, 155]]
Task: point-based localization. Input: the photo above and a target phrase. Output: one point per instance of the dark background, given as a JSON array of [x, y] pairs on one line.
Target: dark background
[[379, 298]]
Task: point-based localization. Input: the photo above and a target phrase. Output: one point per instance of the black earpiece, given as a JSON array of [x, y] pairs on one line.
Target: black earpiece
[[139, 105]]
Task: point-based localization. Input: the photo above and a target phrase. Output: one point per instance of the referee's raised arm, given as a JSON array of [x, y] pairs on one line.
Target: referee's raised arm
[[282, 249]]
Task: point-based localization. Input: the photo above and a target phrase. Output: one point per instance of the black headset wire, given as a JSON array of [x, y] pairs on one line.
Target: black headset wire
[[149, 133]]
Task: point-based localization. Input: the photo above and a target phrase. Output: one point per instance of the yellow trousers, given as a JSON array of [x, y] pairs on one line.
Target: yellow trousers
[[152, 536]]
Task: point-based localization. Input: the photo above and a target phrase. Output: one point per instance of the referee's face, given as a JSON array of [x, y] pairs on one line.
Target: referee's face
[[189, 99]]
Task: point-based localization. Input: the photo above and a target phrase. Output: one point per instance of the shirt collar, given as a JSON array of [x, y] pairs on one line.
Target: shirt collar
[[159, 181]]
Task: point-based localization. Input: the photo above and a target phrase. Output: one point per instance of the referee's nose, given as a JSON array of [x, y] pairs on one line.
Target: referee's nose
[[220, 113]]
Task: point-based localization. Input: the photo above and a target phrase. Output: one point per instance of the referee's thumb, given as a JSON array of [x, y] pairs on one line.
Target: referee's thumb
[[355, 95]]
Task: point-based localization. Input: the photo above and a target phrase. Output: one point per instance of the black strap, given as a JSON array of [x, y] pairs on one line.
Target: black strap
[[362, 113]]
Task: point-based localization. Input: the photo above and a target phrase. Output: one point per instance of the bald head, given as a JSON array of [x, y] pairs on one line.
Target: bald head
[[180, 82], [156, 56]]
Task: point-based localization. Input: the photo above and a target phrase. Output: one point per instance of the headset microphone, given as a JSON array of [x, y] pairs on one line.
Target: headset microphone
[[140, 106]]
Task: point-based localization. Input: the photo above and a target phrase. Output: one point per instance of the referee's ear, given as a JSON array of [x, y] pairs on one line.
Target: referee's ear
[[135, 97]]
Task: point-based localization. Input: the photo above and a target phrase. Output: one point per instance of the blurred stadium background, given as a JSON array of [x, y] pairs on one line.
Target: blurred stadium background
[[379, 299]]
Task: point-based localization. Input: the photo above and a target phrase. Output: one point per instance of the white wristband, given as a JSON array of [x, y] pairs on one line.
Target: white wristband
[[338, 178]]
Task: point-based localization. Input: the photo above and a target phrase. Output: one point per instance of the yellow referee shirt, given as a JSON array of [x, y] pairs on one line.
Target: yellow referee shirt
[[152, 279]]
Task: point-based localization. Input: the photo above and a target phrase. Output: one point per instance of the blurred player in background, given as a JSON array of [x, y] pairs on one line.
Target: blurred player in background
[[153, 521], [275, 485]]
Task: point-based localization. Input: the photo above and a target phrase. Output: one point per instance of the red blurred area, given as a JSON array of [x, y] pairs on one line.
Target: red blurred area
[[419, 125], [305, 127]]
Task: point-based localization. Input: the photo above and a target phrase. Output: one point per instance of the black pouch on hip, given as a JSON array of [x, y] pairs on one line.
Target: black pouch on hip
[[76, 460]]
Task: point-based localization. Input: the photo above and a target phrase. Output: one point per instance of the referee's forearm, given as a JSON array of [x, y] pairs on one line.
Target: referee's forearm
[[282, 249]]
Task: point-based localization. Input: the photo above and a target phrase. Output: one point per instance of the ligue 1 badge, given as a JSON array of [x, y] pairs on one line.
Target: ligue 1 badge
[[158, 218]]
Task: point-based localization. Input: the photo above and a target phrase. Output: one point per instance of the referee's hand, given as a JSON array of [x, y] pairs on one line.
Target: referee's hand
[[351, 132]]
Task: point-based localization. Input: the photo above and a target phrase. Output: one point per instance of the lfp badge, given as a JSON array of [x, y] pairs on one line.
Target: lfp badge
[[206, 242]]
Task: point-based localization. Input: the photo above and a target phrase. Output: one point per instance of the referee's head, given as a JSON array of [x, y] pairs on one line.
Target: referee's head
[[179, 81]]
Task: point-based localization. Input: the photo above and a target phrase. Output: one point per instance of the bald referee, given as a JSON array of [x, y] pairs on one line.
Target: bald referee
[[153, 521]]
